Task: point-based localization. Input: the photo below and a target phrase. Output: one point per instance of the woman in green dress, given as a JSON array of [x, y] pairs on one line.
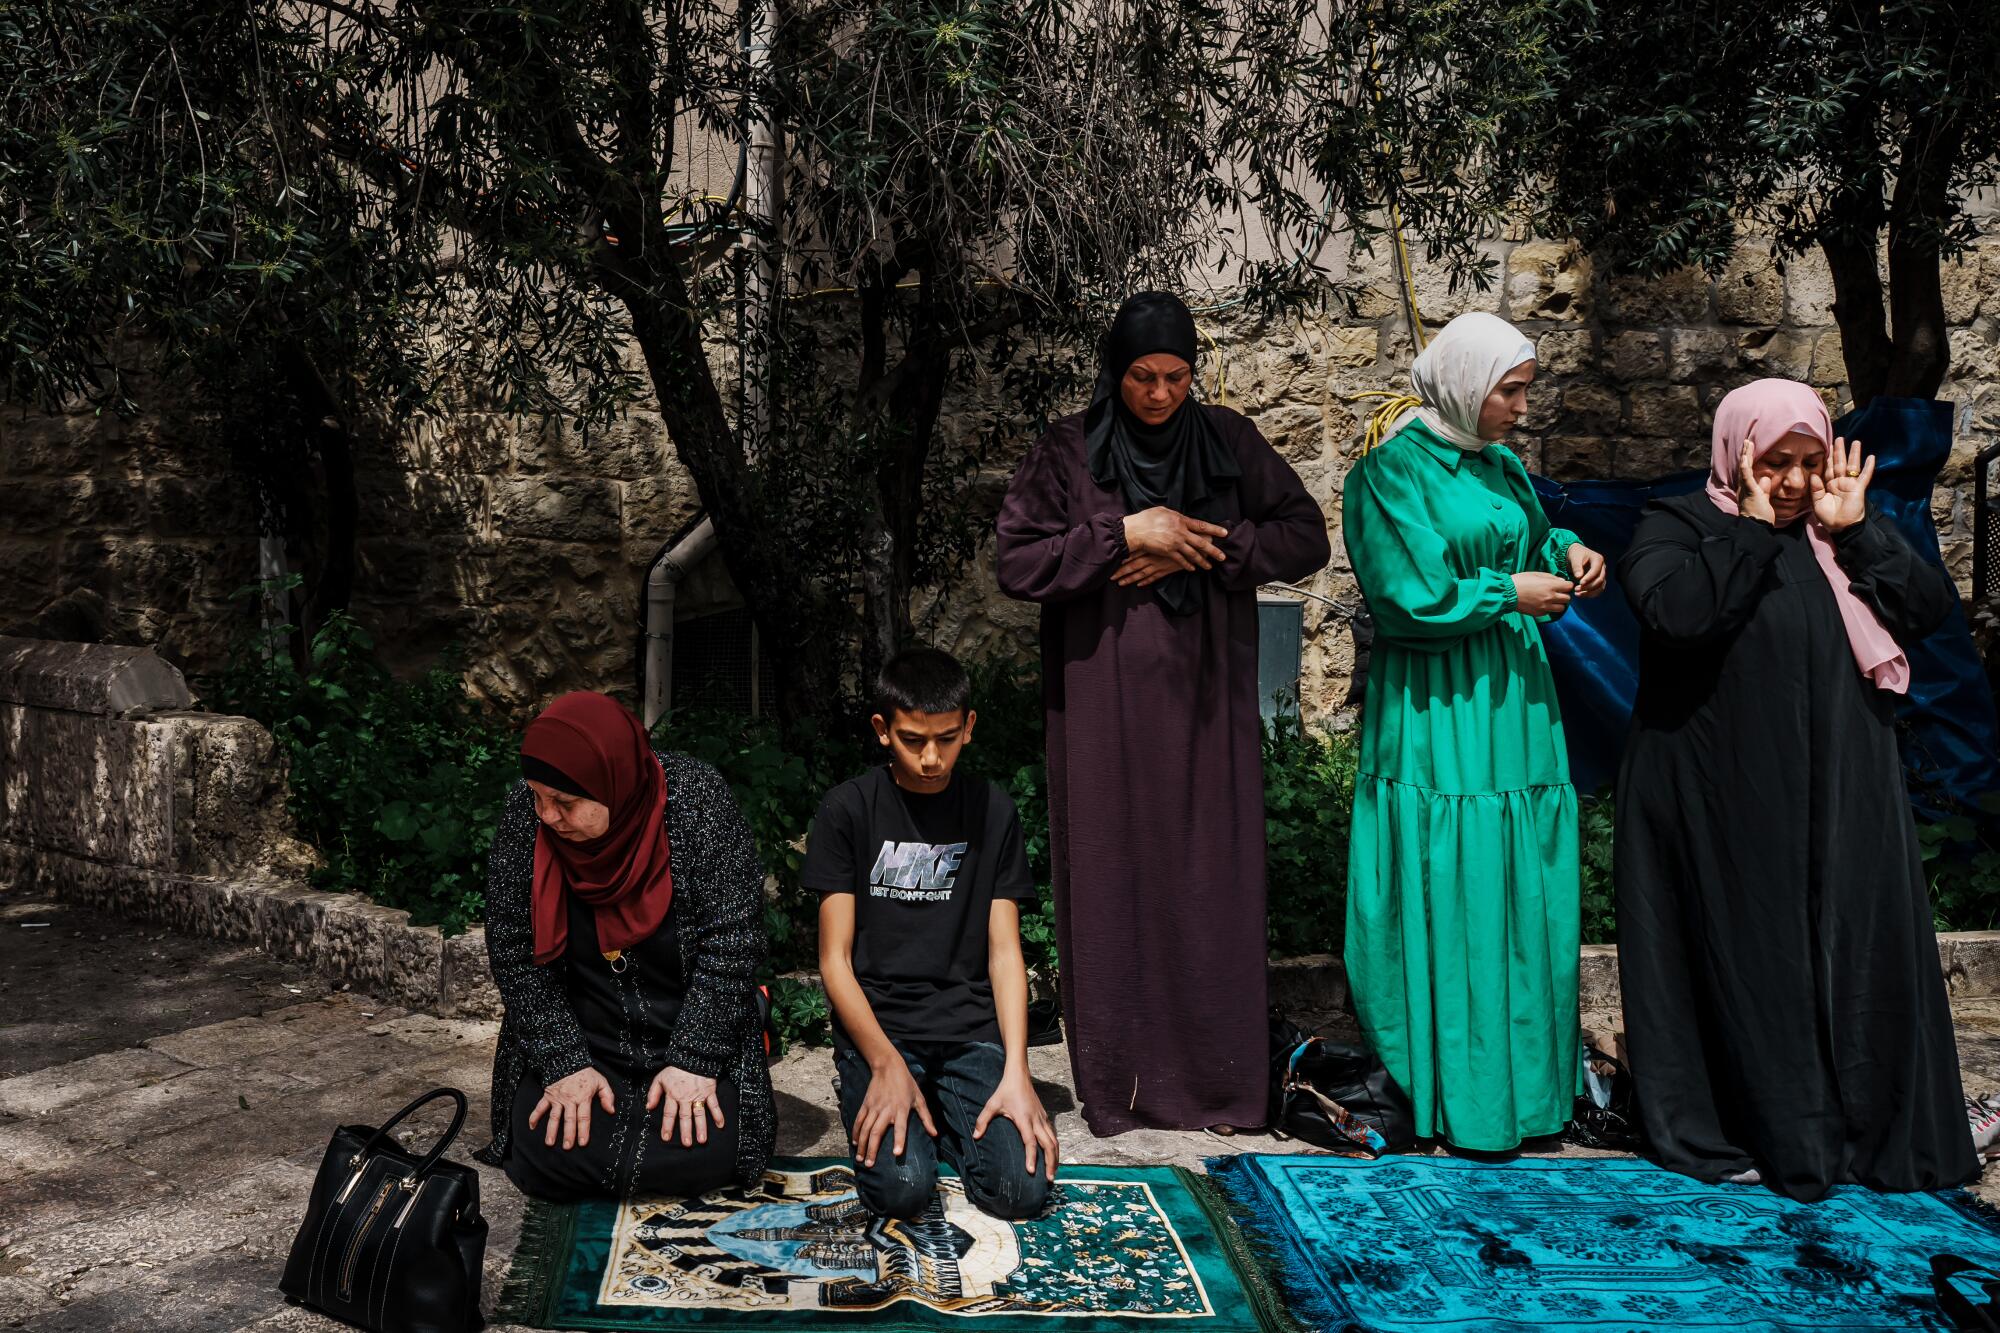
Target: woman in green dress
[[1462, 871]]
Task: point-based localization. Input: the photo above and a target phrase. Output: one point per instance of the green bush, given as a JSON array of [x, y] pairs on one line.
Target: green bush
[[1308, 803], [800, 1014], [1962, 864], [778, 780], [1599, 906], [397, 783]]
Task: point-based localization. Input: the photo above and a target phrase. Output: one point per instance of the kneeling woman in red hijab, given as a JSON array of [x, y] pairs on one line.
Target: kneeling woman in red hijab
[[624, 921]]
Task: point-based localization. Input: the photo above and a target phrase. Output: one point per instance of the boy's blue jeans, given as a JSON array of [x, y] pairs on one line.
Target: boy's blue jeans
[[957, 1079]]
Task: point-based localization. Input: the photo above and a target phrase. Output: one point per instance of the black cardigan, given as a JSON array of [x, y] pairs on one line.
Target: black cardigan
[[718, 892]]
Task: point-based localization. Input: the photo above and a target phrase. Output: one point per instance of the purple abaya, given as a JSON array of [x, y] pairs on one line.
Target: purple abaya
[[1156, 786]]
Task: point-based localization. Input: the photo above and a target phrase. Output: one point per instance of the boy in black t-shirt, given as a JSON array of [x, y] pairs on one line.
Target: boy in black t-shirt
[[921, 871]]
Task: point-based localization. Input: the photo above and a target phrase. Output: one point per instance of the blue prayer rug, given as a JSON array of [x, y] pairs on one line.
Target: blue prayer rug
[[1418, 1244]]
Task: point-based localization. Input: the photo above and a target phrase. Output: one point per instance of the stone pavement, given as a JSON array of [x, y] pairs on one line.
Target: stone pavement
[[165, 1101]]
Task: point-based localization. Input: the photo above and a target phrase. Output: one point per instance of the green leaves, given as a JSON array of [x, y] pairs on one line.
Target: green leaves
[[397, 783], [1308, 802], [800, 1014], [1599, 905], [1961, 854], [397, 822]]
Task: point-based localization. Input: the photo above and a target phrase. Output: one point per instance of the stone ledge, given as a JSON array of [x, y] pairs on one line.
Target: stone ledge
[[338, 936], [103, 680], [1317, 983], [346, 938]]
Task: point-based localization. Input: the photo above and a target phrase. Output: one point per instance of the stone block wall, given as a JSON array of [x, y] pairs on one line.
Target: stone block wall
[[1630, 372], [528, 546], [103, 762], [144, 511], [115, 794]]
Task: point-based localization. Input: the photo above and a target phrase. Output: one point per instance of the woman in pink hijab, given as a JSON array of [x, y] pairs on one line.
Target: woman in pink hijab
[[1786, 1016]]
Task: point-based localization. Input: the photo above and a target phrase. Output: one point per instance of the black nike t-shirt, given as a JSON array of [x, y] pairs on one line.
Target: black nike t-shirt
[[924, 870]]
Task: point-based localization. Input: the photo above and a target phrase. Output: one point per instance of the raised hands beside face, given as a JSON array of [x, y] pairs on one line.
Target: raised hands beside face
[[1753, 494], [1840, 498]]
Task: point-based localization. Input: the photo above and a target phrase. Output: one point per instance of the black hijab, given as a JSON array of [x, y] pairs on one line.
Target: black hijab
[[1181, 463]]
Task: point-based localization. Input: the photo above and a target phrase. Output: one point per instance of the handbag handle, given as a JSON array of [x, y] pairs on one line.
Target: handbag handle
[[444, 1142], [1292, 1079]]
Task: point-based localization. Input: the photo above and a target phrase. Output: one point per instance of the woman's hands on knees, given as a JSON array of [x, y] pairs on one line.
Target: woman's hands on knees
[[892, 1095], [566, 1102], [689, 1104]]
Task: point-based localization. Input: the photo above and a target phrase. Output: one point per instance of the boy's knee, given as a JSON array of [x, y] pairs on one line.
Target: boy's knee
[[897, 1189], [1014, 1194]]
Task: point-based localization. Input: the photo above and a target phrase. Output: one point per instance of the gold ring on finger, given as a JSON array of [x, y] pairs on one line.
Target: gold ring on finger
[[1854, 472]]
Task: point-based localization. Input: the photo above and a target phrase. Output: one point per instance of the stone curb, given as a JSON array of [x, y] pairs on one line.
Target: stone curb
[[1317, 983], [338, 936], [346, 938]]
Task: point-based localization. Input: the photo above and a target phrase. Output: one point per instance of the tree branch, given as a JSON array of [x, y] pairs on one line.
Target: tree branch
[[634, 59], [370, 18]]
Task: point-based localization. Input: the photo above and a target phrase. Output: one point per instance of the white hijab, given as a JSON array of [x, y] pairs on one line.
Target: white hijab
[[1460, 367]]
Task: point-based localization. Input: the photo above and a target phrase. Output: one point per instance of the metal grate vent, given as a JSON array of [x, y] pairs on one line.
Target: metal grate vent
[[1280, 643], [717, 664], [1985, 529]]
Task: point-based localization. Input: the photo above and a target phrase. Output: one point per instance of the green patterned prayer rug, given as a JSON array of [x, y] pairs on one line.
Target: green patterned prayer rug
[[1117, 1246], [1418, 1244]]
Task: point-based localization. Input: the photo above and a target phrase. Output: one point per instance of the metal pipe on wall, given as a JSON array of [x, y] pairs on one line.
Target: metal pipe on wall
[[663, 577]]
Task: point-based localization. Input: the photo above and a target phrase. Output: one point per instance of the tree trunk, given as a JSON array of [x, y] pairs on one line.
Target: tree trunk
[[1899, 348], [906, 405], [691, 405], [1859, 310], [331, 587], [1917, 212], [885, 601]]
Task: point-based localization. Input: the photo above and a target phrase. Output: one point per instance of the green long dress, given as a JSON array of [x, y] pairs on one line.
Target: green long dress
[[1462, 870]]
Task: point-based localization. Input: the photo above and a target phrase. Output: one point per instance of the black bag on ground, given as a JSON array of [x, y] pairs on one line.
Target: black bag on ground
[[392, 1242], [1605, 1116], [1336, 1096]]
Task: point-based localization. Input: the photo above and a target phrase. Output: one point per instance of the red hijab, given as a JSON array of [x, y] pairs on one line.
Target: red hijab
[[624, 876]]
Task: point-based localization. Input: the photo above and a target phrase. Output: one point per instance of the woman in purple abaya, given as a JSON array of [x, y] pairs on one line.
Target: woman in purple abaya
[[1143, 526]]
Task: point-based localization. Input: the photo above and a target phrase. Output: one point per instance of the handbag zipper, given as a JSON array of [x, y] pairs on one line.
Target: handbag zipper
[[404, 1216], [360, 1165], [361, 1234]]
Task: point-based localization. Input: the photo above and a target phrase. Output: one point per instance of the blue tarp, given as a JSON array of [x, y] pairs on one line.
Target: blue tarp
[[1950, 736]]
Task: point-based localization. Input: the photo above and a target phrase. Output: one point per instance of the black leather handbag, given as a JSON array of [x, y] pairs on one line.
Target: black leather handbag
[[1605, 1116], [1335, 1096], [392, 1242]]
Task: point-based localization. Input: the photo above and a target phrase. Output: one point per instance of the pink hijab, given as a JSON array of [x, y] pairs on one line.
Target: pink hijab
[[1780, 407]]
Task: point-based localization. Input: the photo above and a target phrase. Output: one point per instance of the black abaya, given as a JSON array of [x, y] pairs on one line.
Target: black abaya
[[1783, 999]]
